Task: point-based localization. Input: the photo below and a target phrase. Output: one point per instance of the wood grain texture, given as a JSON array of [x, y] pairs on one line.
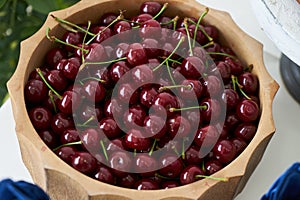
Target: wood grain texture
[[63, 182]]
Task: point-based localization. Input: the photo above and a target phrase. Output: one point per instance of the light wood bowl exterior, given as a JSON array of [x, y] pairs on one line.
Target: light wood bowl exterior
[[63, 182]]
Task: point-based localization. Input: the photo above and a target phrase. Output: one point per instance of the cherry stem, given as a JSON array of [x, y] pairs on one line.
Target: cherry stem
[[161, 10], [175, 86], [103, 149], [204, 32], [153, 146], [183, 150], [236, 84], [163, 177], [83, 42], [93, 78], [134, 152], [208, 44], [170, 21], [198, 24], [187, 108], [120, 17], [88, 121], [72, 25], [188, 35], [222, 54], [38, 70], [203, 166], [50, 93], [101, 63], [211, 177], [171, 54], [55, 39], [68, 144], [175, 150], [170, 74]]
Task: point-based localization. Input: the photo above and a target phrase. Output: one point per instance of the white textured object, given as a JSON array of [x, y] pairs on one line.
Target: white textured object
[[280, 19]]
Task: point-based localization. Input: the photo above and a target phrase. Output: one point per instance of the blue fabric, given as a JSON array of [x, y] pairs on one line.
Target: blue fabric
[[287, 186], [21, 190]]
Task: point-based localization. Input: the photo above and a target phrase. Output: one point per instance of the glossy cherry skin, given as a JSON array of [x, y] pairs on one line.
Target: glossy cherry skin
[[134, 139], [145, 164], [84, 162], [96, 53], [224, 151], [72, 38], [91, 139], [147, 96], [150, 29], [155, 126], [40, 117], [69, 102], [94, 91], [163, 102], [245, 131], [151, 8], [247, 110], [135, 116], [146, 184], [213, 85], [231, 120], [151, 46], [70, 135], [118, 69], [66, 153], [120, 27], [71, 67], [87, 111], [236, 67], [178, 126], [102, 32], [49, 137], [142, 74], [57, 80], [192, 67], [213, 110], [231, 98], [192, 155], [189, 174], [171, 165], [249, 82], [105, 175], [120, 162], [207, 136], [127, 93], [109, 127], [121, 50], [60, 122], [239, 144], [108, 18], [212, 166], [193, 93], [127, 181], [113, 108], [54, 56], [35, 91], [225, 71], [136, 54], [169, 184]]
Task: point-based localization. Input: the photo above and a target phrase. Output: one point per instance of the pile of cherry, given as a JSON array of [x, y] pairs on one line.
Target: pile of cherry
[[147, 102]]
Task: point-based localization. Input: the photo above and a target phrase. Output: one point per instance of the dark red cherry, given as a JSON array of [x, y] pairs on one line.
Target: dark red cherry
[[171, 165], [109, 127], [91, 139], [212, 166], [192, 67], [245, 131], [114, 145], [135, 139], [66, 153], [142, 74], [224, 151], [191, 93], [212, 31], [40, 117], [146, 184], [103, 33], [151, 46], [60, 122], [127, 93], [54, 56], [150, 29], [147, 95], [213, 110], [137, 20], [236, 67], [206, 137], [213, 85], [73, 38], [231, 120], [225, 71], [178, 126], [71, 67], [169, 184], [105, 175], [163, 102], [165, 22], [57, 80], [120, 162], [151, 8], [127, 181], [69, 135], [189, 174], [121, 50], [96, 53], [136, 54], [231, 98], [35, 91], [84, 162], [215, 47], [49, 137], [108, 18], [249, 82], [118, 69], [113, 108], [239, 144], [94, 91], [192, 155], [135, 116], [247, 110], [88, 111], [155, 126], [121, 26], [200, 53], [69, 102], [145, 164]]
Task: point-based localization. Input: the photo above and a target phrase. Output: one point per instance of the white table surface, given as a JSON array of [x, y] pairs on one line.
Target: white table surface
[[282, 151]]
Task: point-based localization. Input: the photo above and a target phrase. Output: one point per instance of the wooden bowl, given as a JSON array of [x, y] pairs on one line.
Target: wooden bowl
[[63, 182]]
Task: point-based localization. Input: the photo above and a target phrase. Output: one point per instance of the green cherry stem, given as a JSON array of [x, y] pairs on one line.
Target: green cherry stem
[[88, 121], [153, 147], [188, 35], [61, 21], [175, 150], [163, 177], [236, 85], [38, 70], [101, 63], [183, 149], [211, 177], [170, 21], [68, 144], [222, 54], [103, 149], [55, 39], [161, 10], [187, 108], [83, 42], [171, 54], [92, 78], [208, 44], [198, 24], [50, 94], [174, 86], [170, 74]]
